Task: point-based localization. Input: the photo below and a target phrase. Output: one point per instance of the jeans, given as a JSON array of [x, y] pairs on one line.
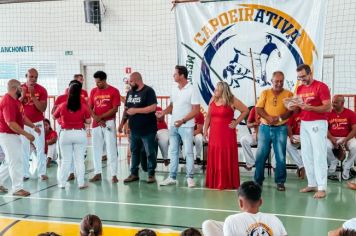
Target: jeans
[[148, 142], [186, 135], [277, 135]]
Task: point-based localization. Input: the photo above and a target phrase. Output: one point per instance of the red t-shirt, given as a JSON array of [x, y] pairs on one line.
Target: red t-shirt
[[83, 93], [70, 119], [10, 110], [340, 124], [30, 109], [252, 116], [103, 100], [51, 135], [61, 99], [199, 119], [313, 95], [294, 123], [161, 124]]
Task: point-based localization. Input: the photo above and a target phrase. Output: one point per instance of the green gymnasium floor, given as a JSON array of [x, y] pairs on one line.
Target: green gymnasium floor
[[168, 209]]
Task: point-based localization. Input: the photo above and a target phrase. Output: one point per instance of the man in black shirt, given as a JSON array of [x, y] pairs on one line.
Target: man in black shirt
[[140, 110]]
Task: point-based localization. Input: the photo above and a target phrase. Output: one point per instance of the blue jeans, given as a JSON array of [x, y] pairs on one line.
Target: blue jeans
[[137, 142], [186, 135], [277, 135]]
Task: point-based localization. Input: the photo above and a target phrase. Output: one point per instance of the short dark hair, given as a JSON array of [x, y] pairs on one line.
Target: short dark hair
[[250, 190], [269, 37], [191, 232], [304, 67], [182, 70], [146, 232], [91, 226], [101, 75], [48, 234], [347, 232]]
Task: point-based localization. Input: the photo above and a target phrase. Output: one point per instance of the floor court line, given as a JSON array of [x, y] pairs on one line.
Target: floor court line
[[175, 207]]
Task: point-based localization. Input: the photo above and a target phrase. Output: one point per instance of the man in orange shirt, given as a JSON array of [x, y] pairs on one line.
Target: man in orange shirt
[[273, 130]]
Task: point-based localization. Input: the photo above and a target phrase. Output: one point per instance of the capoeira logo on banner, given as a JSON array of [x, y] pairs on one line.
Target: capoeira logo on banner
[[243, 44]]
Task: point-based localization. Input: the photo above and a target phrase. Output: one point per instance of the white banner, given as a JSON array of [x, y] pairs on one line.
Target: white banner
[[214, 42]]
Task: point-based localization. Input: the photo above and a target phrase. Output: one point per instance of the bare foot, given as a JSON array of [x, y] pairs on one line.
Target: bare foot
[[44, 177], [351, 185], [83, 186], [114, 180], [320, 194], [308, 189]]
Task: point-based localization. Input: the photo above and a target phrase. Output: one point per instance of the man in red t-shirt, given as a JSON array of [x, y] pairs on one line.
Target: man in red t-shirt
[[162, 137], [12, 121], [313, 130], [198, 135], [104, 101], [34, 100], [293, 143], [342, 131]]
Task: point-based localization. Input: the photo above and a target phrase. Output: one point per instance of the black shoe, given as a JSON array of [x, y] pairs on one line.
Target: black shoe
[[281, 187], [352, 172], [333, 177]]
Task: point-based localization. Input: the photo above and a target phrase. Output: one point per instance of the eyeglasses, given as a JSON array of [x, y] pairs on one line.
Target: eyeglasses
[[275, 101], [302, 77]]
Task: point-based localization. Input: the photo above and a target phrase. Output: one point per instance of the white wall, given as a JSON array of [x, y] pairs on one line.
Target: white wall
[[135, 33]]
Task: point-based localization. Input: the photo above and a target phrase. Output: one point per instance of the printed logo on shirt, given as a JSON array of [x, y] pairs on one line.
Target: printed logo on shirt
[[338, 123], [134, 99], [102, 102], [28, 100], [259, 229]]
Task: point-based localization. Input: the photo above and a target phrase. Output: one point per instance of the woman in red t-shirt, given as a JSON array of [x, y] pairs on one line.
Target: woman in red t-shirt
[[74, 114], [50, 142]]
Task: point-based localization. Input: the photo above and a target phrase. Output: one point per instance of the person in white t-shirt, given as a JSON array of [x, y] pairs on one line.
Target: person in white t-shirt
[[250, 222], [184, 106]]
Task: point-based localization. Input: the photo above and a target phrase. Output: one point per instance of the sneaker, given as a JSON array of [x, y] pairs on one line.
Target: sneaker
[[352, 172], [333, 177], [151, 179], [21, 193], [281, 187], [191, 183], [131, 178], [3, 189], [346, 177], [168, 181], [95, 178]]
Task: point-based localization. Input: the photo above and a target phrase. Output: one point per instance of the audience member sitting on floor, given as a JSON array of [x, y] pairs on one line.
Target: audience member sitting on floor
[[250, 221], [342, 131], [50, 142], [146, 232], [91, 226], [191, 232], [48, 234], [347, 229]]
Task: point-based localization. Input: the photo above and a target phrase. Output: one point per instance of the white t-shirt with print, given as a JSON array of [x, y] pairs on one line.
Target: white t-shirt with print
[[183, 101], [247, 224]]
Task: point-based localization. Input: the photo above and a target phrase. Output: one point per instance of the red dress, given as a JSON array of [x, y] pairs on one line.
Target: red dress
[[222, 167]]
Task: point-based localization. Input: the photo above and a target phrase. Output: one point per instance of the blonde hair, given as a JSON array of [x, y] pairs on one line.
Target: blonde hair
[[227, 96]]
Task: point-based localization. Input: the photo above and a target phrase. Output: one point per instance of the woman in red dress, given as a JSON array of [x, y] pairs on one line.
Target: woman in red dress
[[220, 130]]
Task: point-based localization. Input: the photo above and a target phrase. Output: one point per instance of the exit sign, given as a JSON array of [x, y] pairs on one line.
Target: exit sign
[[68, 53]]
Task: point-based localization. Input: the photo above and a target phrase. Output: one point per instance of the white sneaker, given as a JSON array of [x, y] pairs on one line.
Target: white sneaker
[[191, 183], [168, 181]]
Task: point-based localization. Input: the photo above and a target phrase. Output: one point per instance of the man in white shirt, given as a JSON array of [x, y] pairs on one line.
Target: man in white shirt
[[250, 221], [184, 106]]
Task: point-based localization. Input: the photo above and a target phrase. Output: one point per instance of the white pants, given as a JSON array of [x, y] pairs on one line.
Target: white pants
[[52, 151], [73, 144], [10, 144], [348, 163], [198, 143], [40, 145], [108, 135], [163, 142], [293, 152], [213, 228], [313, 149], [246, 142]]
